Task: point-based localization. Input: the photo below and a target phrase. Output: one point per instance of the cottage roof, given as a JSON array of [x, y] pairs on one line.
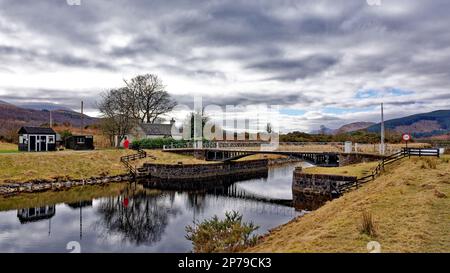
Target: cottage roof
[[156, 129], [37, 130]]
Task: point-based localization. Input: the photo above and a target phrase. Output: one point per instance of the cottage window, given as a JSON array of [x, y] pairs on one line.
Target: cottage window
[[51, 139], [21, 139], [80, 140]]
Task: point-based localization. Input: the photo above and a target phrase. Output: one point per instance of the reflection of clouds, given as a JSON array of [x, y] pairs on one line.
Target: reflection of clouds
[[277, 185]]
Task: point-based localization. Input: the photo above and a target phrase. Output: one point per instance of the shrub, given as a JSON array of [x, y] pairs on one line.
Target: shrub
[[155, 143], [228, 235], [367, 225], [158, 143]]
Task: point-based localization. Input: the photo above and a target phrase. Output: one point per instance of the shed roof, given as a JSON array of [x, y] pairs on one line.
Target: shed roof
[[156, 129], [37, 130]]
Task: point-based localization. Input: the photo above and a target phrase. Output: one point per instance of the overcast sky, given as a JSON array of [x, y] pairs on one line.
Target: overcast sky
[[323, 62]]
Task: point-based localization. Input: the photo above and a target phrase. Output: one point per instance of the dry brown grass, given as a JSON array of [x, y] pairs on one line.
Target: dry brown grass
[[22, 167], [409, 216], [358, 170], [8, 147]]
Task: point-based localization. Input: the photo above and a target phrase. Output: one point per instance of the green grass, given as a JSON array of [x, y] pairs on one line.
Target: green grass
[[8, 148]]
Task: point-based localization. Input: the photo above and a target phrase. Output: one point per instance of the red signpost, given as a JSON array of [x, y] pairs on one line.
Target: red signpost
[[406, 138]]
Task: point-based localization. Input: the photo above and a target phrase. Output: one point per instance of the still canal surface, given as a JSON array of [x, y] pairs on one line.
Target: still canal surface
[[145, 220]]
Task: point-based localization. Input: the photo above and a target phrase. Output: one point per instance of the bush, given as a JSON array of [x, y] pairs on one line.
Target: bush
[[216, 236], [155, 143], [367, 225], [158, 143]]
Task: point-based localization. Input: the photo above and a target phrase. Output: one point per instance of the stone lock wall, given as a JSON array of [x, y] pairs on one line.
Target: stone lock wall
[[189, 171], [311, 191], [318, 183]]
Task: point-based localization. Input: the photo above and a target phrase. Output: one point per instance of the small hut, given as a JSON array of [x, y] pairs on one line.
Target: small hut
[[80, 142], [37, 139]]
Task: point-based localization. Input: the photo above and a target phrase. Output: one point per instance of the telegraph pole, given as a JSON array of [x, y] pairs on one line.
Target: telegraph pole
[[51, 119], [382, 130], [82, 125]]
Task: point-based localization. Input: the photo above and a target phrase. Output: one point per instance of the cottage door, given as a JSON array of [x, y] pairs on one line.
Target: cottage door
[[32, 147], [43, 143]]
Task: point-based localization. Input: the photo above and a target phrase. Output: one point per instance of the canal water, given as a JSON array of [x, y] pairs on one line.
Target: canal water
[[145, 220]]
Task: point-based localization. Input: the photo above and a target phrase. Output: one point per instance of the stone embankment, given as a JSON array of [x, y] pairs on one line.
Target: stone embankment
[[57, 185]]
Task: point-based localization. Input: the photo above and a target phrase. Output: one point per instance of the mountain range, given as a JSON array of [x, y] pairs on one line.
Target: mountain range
[[423, 125], [426, 125], [13, 117]]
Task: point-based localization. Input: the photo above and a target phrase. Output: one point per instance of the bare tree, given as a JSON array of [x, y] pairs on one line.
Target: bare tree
[[117, 112], [149, 98]]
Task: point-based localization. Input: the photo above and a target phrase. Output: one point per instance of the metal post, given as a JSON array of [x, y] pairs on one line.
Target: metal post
[[382, 130]]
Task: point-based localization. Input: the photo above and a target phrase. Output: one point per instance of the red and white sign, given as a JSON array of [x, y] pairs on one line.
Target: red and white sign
[[406, 137]]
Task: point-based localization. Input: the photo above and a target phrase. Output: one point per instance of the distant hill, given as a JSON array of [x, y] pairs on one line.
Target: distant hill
[[355, 126], [420, 125], [13, 117], [43, 106]]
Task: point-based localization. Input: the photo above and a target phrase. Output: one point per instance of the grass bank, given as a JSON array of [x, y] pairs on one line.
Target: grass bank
[[410, 208], [8, 147], [23, 167], [358, 170]]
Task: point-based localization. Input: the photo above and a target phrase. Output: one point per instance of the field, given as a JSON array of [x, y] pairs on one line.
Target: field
[[410, 208]]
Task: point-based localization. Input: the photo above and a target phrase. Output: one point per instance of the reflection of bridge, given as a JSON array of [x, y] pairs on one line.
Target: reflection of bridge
[[238, 192], [225, 155], [252, 206]]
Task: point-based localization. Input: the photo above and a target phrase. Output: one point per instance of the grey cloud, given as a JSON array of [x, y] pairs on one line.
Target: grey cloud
[[296, 69], [65, 98]]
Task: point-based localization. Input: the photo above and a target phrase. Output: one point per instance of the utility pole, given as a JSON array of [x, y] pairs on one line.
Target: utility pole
[[382, 130], [51, 119], [82, 125]]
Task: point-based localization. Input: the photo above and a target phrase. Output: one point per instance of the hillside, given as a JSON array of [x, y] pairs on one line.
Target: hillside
[[13, 117], [355, 126], [419, 125], [410, 206]]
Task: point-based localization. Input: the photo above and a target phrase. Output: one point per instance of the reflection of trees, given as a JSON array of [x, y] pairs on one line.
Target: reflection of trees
[[196, 202], [143, 221]]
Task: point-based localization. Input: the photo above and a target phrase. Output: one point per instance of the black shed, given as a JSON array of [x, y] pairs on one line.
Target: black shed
[[37, 139], [80, 143]]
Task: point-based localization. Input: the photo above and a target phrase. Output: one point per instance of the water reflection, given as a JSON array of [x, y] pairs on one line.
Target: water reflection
[[35, 214], [142, 219]]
